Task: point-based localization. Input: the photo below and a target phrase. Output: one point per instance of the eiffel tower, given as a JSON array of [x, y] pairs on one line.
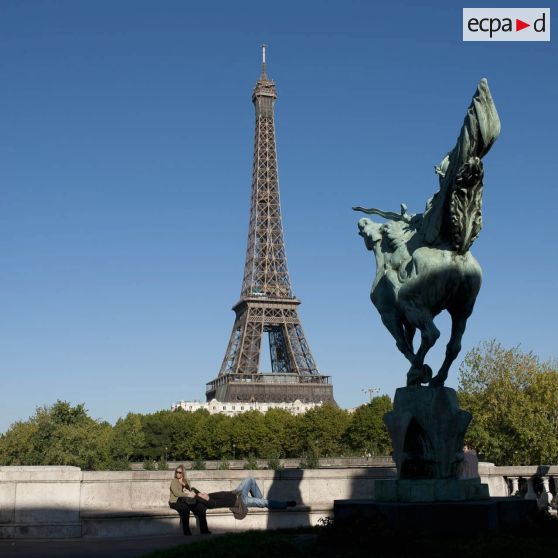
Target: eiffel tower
[[267, 306]]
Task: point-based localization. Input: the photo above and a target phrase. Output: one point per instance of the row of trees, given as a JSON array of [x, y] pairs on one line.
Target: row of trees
[[66, 435], [512, 395]]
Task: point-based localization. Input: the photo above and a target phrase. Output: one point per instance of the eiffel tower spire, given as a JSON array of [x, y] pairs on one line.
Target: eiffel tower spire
[[267, 306], [264, 72]]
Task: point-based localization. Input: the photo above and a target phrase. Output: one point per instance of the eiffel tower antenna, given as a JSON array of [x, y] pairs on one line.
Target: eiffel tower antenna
[[267, 309], [264, 69]]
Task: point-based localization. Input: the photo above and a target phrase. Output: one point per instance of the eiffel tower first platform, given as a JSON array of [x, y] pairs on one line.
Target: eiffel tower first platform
[[267, 306]]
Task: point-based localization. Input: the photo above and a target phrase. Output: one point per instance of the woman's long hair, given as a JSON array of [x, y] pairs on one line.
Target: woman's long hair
[[184, 478]]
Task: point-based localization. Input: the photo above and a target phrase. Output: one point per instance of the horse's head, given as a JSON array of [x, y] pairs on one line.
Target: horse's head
[[370, 231]]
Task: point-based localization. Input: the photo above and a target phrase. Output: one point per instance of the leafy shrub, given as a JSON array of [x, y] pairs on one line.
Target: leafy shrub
[[149, 465], [224, 465], [310, 461], [119, 465], [198, 464], [252, 463], [274, 462]]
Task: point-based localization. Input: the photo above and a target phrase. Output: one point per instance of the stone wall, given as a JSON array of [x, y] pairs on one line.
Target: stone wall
[[60, 502]]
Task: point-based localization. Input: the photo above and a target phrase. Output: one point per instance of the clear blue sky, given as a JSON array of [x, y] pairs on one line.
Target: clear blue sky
[[126, 146]]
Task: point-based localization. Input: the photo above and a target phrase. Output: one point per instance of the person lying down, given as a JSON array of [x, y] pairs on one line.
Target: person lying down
[[246, 495]]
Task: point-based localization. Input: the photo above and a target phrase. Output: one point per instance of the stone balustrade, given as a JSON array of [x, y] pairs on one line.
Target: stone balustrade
[[538, 483], [63, 502]]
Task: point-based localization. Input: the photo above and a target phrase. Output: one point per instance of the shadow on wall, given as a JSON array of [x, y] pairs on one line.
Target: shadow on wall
[[286, 485], [362, 485]]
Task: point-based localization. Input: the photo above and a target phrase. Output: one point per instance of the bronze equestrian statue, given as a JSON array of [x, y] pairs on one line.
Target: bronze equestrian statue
[[423, 262]]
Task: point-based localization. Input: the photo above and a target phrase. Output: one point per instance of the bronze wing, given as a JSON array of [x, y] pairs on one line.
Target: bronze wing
[[454, 213]]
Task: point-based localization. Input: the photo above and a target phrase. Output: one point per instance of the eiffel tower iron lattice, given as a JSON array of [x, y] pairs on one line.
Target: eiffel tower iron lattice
[[267, 305]]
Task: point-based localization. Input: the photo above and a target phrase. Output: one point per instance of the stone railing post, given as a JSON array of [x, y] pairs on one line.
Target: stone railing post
[[514, 485], [546, 495], [531, 494]]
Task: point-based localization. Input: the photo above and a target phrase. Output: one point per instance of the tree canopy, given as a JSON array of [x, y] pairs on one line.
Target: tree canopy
[[64, 435], [58, 435], [513, 397]]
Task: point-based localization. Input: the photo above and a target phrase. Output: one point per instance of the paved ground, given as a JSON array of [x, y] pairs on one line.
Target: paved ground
[[91, 548]]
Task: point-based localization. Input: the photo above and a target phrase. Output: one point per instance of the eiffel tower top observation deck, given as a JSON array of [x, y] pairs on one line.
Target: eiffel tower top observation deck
[[267, 306]]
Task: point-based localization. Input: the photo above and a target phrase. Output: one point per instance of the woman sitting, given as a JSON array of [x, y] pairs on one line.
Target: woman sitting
[[183, 499]]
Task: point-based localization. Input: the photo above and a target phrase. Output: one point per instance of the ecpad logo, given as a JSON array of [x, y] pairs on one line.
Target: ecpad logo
[[506, 24], [494, 24]]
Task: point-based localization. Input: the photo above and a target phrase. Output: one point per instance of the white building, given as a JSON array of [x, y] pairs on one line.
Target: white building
[[231, 409]]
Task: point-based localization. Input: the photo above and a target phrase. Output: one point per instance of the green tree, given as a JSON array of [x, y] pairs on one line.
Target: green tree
[[185, 427], [323, 430], [157, 428], [284, 434], [127, 438], [367, 432], [84, 445], [17, 445], [199, 435], [58, 435], [513, 398], [250, 434], [211, 436]]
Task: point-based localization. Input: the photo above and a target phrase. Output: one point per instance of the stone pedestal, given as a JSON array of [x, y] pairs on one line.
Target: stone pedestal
[[427, 428], [429, 490]]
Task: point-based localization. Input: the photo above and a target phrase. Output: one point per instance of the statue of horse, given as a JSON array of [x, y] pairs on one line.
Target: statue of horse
[[423, 262]]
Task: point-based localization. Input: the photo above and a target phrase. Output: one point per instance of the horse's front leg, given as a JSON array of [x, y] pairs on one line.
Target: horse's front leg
[[421, 373], [409, 334], [452, 350]]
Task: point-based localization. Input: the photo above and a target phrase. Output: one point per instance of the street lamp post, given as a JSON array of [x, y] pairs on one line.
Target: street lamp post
[[371, 391]]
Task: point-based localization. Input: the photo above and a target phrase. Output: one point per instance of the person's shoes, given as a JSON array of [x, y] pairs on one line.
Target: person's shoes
[[291, 504], [207, 532], [188, 533]]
